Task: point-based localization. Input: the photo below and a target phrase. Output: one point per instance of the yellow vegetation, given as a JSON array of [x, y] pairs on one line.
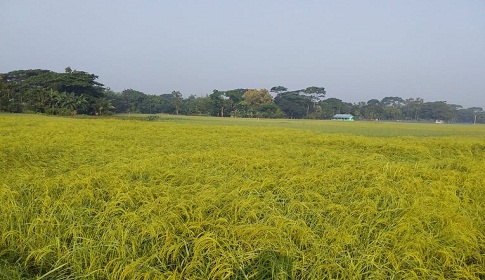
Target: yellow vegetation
[[127, 199]]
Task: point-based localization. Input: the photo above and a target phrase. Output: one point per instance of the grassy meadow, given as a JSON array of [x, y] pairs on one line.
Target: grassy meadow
[[211, 198]]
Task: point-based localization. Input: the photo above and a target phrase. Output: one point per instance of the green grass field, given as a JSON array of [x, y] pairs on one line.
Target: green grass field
[[211, 198]]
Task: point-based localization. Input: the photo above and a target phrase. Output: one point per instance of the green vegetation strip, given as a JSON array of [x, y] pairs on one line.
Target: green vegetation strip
[[194, 199]]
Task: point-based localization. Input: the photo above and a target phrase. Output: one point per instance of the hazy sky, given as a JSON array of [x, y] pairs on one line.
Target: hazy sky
[[357, 50]]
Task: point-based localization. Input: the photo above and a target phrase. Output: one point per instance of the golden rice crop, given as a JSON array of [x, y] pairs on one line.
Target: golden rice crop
[[127, 199]]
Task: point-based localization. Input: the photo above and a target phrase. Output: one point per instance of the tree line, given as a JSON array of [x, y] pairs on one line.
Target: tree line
[[79, 92]]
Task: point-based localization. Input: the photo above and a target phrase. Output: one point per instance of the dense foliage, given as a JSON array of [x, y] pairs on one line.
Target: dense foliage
[[48, 92], [203, 198]]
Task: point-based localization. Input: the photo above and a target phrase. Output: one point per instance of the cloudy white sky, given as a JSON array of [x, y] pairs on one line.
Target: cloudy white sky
[[357, 50]]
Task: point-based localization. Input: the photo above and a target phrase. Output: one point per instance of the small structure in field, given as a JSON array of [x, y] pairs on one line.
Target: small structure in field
[[343, 117]]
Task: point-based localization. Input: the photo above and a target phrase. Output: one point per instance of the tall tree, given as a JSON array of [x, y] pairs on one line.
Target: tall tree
[[391, 106], [7, 99], [177, 100], [293, 104], [331, 106], [254, 99], [469, 115], [315, 93], [477, 111], [412, 108], [373, 110], [392, 101], [25, 84], [437, 110], [233, 102], [217, 103], [235, 95], [131, 101], [278, 89]]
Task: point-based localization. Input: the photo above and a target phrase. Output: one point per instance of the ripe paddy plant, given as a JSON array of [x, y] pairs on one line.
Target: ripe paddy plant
[[186, 199]]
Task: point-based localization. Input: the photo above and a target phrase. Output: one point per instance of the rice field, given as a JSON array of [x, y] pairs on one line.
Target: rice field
[[212, 198]]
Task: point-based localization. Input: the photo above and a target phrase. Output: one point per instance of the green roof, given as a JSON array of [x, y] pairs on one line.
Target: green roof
[[342, 116]]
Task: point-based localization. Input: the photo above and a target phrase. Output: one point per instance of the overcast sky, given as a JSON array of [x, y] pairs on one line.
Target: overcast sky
[[357, 50]]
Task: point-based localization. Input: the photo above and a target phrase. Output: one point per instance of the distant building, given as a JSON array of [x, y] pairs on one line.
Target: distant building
[[343, 117]]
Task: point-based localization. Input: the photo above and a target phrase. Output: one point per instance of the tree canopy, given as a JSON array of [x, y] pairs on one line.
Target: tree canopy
[[48, 92]]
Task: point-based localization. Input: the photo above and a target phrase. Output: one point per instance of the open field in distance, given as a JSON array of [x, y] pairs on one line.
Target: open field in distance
[[213, 198]]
